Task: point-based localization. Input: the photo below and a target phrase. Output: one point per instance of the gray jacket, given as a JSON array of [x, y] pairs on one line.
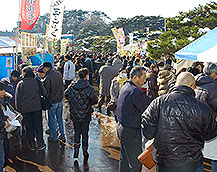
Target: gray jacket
[[106, 73], [117, 63], [114, 92]]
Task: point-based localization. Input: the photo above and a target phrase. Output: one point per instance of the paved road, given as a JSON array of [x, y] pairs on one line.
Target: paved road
[[58, 157], [104, 149]]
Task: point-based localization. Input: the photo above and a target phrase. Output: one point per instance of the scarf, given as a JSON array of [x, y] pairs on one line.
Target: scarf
[[121, 81]]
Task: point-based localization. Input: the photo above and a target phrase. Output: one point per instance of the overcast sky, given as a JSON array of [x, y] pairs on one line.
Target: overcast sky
[[113, 8]]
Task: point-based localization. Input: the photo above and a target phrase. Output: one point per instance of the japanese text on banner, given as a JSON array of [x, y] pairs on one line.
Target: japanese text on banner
[[30, 12], [56, 19]]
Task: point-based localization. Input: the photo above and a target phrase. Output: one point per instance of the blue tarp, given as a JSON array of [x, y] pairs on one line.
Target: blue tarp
[[48, 58], [37, 60], [203, 49], [6, 66]]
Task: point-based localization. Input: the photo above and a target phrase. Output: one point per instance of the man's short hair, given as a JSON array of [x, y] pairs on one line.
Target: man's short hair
[[83, 72], [137, 70], [15, 73], [195, 71], [27, 72], [2, 86], [23, 65], [161, 64], [209, 67], [47, 64], [67, 56]]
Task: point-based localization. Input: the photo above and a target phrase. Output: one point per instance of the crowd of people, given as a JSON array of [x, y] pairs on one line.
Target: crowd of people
[[176, 108]]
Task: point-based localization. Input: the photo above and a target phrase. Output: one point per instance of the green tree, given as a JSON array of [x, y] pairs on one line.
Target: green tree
[[183, 29]]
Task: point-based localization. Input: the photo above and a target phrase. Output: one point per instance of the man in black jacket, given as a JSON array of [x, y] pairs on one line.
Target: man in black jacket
[[132, 102], [180, 124], [81, 96], [53, 83]]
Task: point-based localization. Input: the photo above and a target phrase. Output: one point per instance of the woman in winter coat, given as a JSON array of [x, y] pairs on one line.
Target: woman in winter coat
[[116, 85], [28, 102]]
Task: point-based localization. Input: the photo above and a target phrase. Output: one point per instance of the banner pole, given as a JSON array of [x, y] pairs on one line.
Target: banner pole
[[17, 35], [165, 20]]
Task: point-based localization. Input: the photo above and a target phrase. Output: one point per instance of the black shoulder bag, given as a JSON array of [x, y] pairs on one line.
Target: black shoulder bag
[[45, 102]]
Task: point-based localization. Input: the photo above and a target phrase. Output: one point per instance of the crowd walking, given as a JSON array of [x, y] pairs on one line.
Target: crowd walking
[[147, 98]]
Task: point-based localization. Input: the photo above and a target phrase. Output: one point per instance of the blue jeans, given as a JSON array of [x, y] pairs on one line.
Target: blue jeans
[[55, 116], [2, 155], [213, 164]]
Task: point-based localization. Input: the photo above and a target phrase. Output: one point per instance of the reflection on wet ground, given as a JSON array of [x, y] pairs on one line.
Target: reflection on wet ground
[[103, 148]]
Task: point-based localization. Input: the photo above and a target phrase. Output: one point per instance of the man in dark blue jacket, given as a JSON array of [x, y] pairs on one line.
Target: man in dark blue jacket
[[132, 102]]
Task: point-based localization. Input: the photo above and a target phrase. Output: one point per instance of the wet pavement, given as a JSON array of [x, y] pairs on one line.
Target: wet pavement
[[104, 150]]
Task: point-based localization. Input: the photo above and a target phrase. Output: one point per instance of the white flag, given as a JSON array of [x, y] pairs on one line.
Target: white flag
[[56, 19]]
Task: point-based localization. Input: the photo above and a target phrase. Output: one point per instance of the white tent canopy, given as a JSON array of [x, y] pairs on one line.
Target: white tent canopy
[[8, 45], [203, 49]]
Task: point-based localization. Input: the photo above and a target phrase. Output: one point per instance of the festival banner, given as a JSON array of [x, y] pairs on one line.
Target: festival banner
[[30, 12], [56, 19], [116, 34], [64, 43], [121, 35], [46, 37], [29, 44]]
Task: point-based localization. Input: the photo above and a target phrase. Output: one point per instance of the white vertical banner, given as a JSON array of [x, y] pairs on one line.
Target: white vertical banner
[[56, 19]]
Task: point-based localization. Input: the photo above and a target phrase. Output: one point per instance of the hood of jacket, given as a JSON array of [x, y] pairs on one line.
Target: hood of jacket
[[203, 79], [81, 84]]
